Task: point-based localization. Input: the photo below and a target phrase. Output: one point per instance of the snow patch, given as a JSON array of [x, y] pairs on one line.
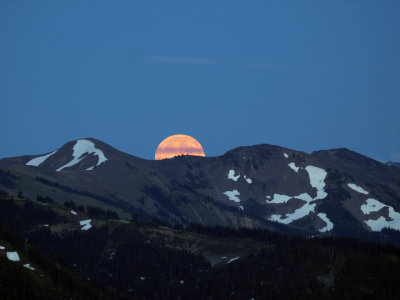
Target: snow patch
[[233, 195], [74, 212], [299, 213], [248, 179], [36, 162], [13, 256], [294, 167], [46, 225], [317, 180], [373, 205], [285, 155], [279, 199], [329, 224], [231, 175], [2, 247], [142, 278], [86, 224], [182, 282], [81, 149], [232, 259], [28, 266], [357, 188]]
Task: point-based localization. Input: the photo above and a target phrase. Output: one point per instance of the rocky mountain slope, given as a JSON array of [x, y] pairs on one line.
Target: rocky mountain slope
[[332, 192], [51, 251]]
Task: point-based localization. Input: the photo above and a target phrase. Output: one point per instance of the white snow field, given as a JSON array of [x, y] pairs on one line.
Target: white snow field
[[84, 147], [13, 256], [248, 179], [317, 180], [357, 188], [373, 205], [329, 224], [233, 195], [28, 266], [86, 224], [294, 167], [36, 162], [231, 175]]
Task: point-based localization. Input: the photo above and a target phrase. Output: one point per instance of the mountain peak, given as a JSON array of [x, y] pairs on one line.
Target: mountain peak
[[83, 154]]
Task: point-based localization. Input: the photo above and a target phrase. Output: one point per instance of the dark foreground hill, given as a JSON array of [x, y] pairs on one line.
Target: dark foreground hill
[[332, 193], [66, 253]]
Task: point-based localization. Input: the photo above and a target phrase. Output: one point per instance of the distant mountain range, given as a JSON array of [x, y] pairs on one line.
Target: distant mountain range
[[333, 192]]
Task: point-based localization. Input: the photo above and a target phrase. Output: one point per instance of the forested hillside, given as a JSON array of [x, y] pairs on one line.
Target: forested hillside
[[153, 260]]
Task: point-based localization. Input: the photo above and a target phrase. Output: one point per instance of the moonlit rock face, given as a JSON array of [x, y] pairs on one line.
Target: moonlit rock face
[[329, 224], [81, 149], [294, 167], [233, 195], [357, 188], [231, 175], [178, 144], [13, 256], [36, 162]]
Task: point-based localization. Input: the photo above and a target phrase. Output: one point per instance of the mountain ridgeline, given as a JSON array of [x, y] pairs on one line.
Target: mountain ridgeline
[[334, 192]]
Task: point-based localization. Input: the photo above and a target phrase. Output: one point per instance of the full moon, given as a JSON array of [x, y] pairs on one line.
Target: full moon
[[179, 144]]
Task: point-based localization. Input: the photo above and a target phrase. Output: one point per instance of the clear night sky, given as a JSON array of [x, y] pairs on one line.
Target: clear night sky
[[307, 75]]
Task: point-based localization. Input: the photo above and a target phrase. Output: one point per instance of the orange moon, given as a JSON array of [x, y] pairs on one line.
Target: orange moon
[[179, 144]]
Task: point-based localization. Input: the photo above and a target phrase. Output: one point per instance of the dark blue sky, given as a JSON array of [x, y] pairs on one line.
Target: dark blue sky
[[307, 75]]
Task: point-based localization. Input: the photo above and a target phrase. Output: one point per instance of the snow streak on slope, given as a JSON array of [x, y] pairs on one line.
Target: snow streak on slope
[[28, 266], [81, 148], [36, 162], [279, 199], [317, 180], [373, 205], [357, 188], [329, 224], [233, 195], [294, 167]]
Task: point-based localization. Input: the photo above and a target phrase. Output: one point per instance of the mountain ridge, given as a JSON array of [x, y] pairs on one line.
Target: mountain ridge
[[252, 186]]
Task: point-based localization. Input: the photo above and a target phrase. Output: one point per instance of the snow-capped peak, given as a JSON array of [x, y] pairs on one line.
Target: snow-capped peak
[[84, 147]]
